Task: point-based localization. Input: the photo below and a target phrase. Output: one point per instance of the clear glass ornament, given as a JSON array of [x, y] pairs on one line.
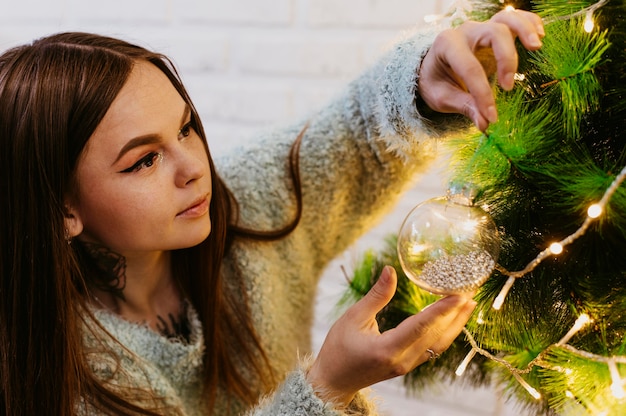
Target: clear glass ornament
[[448, 245]]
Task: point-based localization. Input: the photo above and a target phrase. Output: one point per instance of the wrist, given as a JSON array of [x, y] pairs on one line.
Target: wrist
[[324, 391]]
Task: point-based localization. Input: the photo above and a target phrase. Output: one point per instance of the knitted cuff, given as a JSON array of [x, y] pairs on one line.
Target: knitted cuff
[[360, 404]]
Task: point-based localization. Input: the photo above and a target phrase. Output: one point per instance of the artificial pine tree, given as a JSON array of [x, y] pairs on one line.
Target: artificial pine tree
[[550, 170]]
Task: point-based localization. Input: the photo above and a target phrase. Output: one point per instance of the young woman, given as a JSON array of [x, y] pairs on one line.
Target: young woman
[[138, 276]]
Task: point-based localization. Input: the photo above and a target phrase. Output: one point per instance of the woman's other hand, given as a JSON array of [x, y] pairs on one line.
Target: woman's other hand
[[454, 75], [356, 355]]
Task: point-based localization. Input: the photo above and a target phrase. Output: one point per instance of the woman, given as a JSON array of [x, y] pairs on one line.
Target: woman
[[136, 279]]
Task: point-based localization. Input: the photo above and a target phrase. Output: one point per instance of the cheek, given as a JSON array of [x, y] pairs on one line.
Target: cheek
[[114, 215]]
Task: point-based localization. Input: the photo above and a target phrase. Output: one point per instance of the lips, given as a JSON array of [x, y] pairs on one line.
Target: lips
[[197, 208]]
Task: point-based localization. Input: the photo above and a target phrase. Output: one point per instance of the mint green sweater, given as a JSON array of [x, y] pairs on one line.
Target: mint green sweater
[[358, 155]]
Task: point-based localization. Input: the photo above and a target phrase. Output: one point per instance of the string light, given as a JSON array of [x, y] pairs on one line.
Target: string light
[[497, 304], [530, 389], [617, 386], [556, 248], [463, 366], [589, 25], [593, 212], [578, 325], [587, 11], [480, 319]]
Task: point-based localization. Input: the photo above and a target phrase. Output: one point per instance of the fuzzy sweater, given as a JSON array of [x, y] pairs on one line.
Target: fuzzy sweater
[[358, 155]]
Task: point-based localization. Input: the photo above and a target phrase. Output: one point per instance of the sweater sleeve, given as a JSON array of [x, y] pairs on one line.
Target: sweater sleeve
[[296, 397], [358, 155]]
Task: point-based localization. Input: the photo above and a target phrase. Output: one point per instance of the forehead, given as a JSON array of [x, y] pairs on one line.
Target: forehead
[[146, 104]]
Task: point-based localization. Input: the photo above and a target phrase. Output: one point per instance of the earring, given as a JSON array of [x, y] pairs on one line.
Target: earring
[[68, 237]]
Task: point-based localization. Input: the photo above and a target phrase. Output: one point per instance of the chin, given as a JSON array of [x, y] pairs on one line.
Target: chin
[[196, 238]]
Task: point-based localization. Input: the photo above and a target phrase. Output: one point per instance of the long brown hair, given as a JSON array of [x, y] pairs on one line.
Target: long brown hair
[[53, 94]]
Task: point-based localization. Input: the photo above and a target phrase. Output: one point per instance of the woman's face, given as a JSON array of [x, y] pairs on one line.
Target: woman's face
[[144, 182]]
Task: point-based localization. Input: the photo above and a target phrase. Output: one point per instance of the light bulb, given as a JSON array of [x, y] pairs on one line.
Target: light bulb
[[582, 320], [594, 210], [617, 387], [463, 366], [556, 248], [589, 25]]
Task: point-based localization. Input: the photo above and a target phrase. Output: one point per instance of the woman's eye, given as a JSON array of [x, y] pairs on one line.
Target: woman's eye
[[145, 162], [185, 131]]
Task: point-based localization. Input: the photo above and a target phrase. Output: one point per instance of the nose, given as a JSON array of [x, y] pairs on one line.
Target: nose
[[192, 164]]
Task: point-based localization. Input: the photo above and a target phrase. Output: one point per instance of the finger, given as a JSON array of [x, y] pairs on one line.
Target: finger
[[379, 295], [480, 103], [425, 328], [527, 26], [502, 43], [517, 23], [452, 332], [456, 100]]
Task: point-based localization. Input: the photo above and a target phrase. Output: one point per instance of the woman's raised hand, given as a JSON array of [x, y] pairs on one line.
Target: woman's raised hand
[[356, 355], [454, 75]]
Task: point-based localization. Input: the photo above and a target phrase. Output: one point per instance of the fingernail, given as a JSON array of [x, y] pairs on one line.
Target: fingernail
[[508, 81], [492, 114], [541, 31], [384, 275], [534, 41]]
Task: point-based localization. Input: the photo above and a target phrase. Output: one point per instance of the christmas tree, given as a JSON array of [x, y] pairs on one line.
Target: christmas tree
[[551, 316]]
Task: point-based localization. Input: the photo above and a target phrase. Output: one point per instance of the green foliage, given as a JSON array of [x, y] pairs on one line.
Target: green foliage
[[568, 58], [558, 144]]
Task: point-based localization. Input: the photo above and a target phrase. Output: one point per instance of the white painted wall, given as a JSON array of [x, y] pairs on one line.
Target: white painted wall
[[250, 63]]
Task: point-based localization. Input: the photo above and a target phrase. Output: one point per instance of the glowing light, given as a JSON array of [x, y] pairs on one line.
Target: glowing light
[[556, 248], [519, 77], [417, 249], [594, 211], [463, 366], [569, 394], [497, 304], [480, 319], [530, 389], [589, 25], [578, 325], [509, 8], [617, 386]]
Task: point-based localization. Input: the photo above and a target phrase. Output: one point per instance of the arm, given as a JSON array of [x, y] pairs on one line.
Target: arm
[[355, 354], [364, 149], [358, 153]]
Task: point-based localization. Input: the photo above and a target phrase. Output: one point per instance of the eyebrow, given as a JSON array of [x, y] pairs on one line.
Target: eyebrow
[[147, 138]]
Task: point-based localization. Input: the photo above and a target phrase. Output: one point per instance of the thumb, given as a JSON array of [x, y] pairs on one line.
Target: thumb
[[379, 295]]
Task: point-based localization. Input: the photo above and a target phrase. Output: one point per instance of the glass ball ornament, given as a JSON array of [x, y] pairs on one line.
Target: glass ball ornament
[[448, 245]]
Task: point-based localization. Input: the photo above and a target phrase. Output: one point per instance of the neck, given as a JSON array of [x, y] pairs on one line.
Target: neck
[[150, 293]]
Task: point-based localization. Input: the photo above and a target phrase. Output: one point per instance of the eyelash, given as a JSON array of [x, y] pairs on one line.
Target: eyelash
[[185, 131], [145, 162], [149, 159]]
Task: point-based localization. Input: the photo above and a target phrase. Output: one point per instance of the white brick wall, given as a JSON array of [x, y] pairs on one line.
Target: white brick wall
[[250, 63]]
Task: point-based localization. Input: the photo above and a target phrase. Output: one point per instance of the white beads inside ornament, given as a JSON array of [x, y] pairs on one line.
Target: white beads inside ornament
[[447, 245]]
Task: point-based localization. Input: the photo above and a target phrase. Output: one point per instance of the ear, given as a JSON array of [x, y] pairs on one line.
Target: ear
[[73, 223]]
